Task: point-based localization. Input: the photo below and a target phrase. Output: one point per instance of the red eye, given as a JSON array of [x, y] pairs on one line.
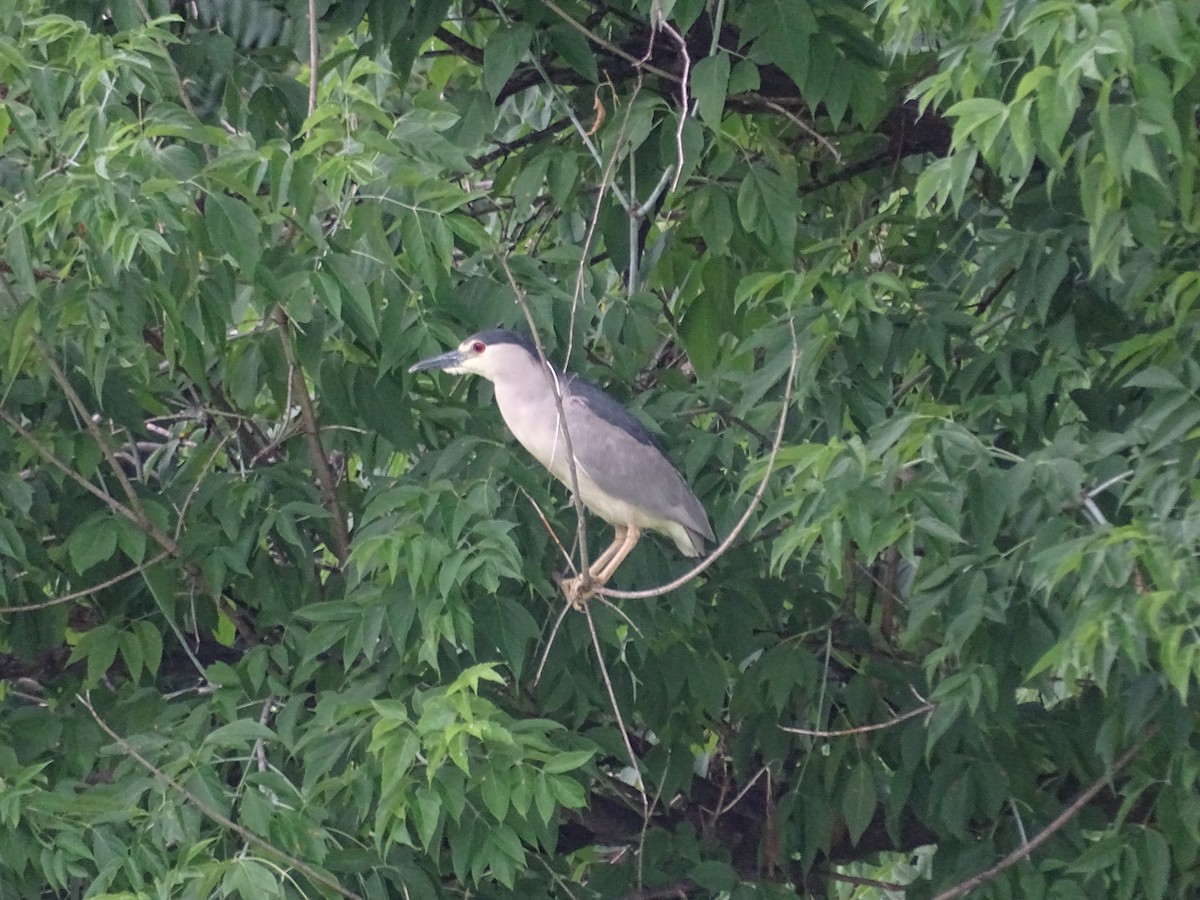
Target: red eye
[[478, 347]]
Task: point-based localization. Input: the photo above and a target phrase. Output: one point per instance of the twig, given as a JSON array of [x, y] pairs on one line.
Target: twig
[[965, 887], [740, 794], [110, 501], [216, 816], [312, 56], [612, 698], [75, 595], [925, 708], [195, 489], [312, 437], [803, 126], [1105, 485], [724, 546], [684, 100], [553, 534], [605, 182], [608, 45], [504, 148], [135, 502], [562, 614]]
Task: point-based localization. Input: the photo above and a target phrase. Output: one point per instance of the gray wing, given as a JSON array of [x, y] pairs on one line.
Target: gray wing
[[623, 458]]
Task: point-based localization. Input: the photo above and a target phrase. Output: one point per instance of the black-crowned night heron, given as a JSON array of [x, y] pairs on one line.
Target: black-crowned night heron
[[624, 477]]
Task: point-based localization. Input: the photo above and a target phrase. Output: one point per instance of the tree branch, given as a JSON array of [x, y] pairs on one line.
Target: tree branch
[[312, 437], [964, 888], [225, 822]]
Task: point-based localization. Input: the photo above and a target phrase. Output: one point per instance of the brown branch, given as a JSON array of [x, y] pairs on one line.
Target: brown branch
[[465, 49], [312, 437], [965, 887], [608, 45], [66, 598], [225, 822], [504, 148], [312, 56], [110, 501], [60, 377], [863, 729]]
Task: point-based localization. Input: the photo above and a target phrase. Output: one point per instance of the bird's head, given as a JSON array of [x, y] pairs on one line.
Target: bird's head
[[493, 353]]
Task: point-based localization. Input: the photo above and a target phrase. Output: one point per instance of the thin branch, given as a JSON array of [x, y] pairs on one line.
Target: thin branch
[[612, 699], [724, 546], [312, 56], [924, 709], [606, 181], [246, 835], [740, 794], [563, 609], [803, 126], [549, 529], [60, 378], [204, 472], [608, 45], [75, 595], [110, 501], [1105, 485], [504, 148], [684, 99], [312, 437], [965, 887]]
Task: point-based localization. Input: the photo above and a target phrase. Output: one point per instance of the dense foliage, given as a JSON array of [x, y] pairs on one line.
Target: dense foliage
[[280, 619]]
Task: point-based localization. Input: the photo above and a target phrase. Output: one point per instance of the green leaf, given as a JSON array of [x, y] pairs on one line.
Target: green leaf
[[93, 542], [504, 49], [710, 81], [858, 799], [567, 761], [234, 229], [496, 791], [239, 733], [99, 647], [714, 876], [574, 49]]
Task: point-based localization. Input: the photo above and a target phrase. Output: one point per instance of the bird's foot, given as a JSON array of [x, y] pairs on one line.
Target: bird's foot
[[578, 591]]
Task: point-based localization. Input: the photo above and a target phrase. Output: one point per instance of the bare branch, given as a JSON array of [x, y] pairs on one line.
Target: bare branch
[[608, 45], [925, 709], [965, 887], [612, 699], [75, 595], [144, 524], [225, 822], [312, 56], [312, 437]]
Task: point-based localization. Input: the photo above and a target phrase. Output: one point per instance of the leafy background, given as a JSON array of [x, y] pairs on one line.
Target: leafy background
[[279, 619]]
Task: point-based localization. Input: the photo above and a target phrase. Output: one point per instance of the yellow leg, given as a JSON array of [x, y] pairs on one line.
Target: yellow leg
[[625, 539], [629, 541], [601, 561]]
